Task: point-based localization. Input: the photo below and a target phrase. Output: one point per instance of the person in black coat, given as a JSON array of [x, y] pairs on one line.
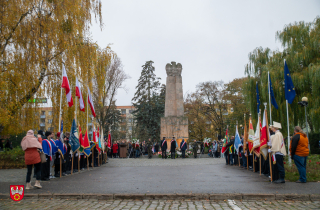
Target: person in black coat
[[183, 147], [164, 147], [173, 148], [230, 146]]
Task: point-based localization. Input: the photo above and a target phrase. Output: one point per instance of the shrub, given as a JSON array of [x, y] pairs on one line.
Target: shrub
[[12, 158]]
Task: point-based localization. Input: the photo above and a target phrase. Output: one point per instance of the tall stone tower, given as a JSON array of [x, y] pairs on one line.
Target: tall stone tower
[[174, 123]]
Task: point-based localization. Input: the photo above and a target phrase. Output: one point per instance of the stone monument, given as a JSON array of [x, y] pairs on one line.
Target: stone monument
[[174, 123]]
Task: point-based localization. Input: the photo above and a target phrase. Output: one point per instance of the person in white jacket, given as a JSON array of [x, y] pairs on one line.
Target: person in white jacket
[[279, 150]]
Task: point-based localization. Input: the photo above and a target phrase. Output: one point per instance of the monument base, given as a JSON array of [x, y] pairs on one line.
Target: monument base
[[174, 127]]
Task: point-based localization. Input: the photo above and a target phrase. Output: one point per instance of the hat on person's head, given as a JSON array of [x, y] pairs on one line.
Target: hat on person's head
[[30, 133], [276, 125], [58, 134]]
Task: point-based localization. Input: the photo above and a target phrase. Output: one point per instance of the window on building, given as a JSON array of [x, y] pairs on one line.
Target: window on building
[[130, 128], [130, 120], [231, 109], [43, 120], [42, 128], [123, 128], [123, 120], [43, 112], [50, 112], [50, 121], [123, 111], [130, 111]]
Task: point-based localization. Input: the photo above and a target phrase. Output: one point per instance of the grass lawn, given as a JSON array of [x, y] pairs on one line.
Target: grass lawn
[[313, 169]]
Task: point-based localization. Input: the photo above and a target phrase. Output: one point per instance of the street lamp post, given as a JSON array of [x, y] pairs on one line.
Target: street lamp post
[[304, 102]]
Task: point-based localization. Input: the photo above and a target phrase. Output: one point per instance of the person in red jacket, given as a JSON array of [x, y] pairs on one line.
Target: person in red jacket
[[115, 149], [31, 146]]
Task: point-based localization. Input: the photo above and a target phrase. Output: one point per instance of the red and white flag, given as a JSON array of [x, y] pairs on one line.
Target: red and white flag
[[79, 95], [90, 101], [66, 86], [264, 136]]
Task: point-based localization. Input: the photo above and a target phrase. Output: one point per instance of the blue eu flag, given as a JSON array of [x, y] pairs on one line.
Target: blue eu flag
[[258, 97], [290, 92], [273, 99]]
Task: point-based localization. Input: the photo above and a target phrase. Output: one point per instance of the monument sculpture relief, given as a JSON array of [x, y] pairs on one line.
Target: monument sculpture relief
[[174, 123]]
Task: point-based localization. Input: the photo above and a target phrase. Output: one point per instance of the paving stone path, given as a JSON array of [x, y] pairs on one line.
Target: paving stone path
[[154, 204]]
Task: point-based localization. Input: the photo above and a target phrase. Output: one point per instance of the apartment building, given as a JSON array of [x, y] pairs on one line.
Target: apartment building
[[46, 119], [127, 123]]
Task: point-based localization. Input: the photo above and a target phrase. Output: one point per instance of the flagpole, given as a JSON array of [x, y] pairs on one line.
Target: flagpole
[[60, 113], [289, 158], [269, 97], [87, 112]]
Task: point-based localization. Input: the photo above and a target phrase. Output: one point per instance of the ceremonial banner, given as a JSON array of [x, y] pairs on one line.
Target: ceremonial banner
[[225, 142], [237, 141], [251, 136], [264, 136], [74, 137], [80, 140], [86, 145], [66, 86], [256, 142]]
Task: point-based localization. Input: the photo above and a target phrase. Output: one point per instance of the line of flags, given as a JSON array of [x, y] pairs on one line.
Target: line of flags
[[65, 84], [289, 89]]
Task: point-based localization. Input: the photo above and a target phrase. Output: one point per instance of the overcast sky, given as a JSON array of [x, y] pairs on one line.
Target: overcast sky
[[211, 39]]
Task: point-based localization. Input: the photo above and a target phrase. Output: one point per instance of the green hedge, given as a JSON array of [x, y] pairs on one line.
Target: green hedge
[[314, 143], [12, 158]]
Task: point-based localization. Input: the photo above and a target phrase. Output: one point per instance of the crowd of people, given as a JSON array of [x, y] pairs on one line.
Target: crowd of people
[[51, 157], [299, 152]]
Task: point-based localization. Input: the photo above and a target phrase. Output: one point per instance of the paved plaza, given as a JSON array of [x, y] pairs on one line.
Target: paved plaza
[[155, 204], [145, 176]]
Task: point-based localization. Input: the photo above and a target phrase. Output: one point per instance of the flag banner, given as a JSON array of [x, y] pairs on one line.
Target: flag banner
[[237, 140], [109, 140], [256, 142], [99, 141], [225, 142], [245, 137], [86, 145], [273, 99], [289, 90], [66, 86], [258, 97], [61, 132], [79, 95], [90, 101], [74, 137], [264, 136], [80, 140], [102, 140], [251, 136]]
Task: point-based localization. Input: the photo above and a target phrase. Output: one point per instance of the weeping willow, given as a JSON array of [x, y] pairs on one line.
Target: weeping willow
[[301, 49]]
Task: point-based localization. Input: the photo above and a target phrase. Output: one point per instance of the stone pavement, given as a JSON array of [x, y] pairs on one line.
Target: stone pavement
[[154, 204], [157, 176]]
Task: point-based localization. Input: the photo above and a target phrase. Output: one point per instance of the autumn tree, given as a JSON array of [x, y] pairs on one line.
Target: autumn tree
[[300, 43], [36, 38]]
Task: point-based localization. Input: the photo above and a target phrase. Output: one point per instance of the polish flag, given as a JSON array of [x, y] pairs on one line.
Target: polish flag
[[264, 136], [66, 86], [251, 136], [91, 103], [79, 94]]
